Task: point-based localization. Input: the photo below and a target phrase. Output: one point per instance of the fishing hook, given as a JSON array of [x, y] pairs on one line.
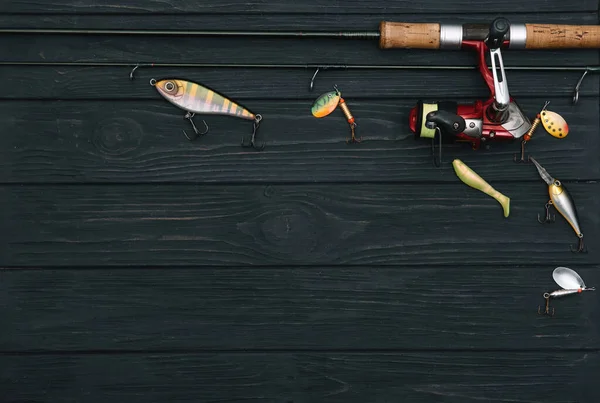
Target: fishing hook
[[580, 247], [132, 72], [588, 69], [312, 80], [523, 142], [189, 117], [576, 91], [324, 67], [137, 66], [547, 308], [547, 218], [437, 163], [252, 142]]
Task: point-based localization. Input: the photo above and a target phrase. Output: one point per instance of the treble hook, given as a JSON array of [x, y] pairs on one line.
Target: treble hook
[[547, 218], [523, 142], [353, 138], [253, 138], [580, 247], [547, 309], [189, 117]]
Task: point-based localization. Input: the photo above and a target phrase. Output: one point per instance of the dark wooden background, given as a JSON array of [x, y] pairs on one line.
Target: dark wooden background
[[140, 267]]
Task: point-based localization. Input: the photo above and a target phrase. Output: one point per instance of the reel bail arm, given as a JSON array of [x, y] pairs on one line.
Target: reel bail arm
[[498, 31]]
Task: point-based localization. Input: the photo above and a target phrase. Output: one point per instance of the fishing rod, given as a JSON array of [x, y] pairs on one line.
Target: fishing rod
[[317, 67], [496, 119], [390, 34]]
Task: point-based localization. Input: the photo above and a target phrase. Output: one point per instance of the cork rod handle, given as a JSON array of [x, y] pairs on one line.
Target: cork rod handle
[[553, 36], [539, 36], [409, 35]]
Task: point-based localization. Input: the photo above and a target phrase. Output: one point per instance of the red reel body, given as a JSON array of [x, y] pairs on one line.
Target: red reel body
[[499, 118]]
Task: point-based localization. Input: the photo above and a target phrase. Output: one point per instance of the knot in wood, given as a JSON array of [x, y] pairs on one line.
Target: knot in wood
[[116, 137]]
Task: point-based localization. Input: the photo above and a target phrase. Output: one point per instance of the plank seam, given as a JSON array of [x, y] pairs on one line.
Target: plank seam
[[104, 352]]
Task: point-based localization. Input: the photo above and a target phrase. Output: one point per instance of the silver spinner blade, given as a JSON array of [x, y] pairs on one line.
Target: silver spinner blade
[[567, 278]]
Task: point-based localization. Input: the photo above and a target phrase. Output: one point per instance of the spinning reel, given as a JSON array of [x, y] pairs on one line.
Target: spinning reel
[[499, 118]]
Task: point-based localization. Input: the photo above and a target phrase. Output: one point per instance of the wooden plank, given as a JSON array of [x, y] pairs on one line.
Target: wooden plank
[[311, 7], [227, 50], [286, 21], [112, 83], [286, 308], [170, 225], [302, 377], [131, 51], [141, 141]]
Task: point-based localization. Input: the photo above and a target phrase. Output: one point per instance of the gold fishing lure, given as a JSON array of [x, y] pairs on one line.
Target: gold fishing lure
[[326, 103], [469, 177], [562, 202], [554, 124], [195, 98]]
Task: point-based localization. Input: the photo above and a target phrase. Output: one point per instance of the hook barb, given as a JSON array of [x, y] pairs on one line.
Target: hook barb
[[189, 116], [547, 218]]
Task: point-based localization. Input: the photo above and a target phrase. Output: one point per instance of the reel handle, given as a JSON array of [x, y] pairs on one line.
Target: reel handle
[[498, 30], [448, 122]]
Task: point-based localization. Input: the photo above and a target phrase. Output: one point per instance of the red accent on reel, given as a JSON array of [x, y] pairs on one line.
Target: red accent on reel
[[476, 114]]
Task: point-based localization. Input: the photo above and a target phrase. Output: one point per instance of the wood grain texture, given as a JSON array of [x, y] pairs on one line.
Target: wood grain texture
[[299, 378], [290, 225], [112, 83], [141, 141], [321, 308], [282, 21], [137, 266], [261, 6]]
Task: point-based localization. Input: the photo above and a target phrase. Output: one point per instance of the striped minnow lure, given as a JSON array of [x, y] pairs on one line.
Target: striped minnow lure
[[570, 283], [562, 201], [327, 103], [195, 98]]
